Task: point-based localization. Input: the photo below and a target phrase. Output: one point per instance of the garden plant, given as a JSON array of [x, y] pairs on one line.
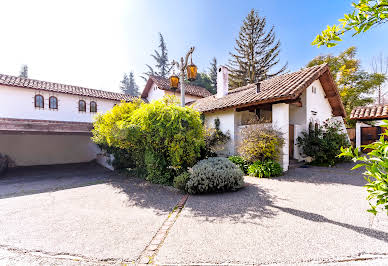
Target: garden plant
[[376, 170]]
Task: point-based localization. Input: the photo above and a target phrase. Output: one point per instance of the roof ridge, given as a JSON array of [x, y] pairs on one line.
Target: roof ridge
[[10, 80], [57, 83]]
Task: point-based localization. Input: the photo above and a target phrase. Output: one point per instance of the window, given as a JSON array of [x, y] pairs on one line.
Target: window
[[82, 106], [39, 101], [314, 89], [93, 107], [53, 102]]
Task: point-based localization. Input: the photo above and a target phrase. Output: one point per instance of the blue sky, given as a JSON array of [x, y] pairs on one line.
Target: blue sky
[[92, 43]]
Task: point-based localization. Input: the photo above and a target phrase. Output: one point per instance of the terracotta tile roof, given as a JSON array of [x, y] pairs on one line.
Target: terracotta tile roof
[[164, 84], [280, 88], [62, 88], [370, 112]]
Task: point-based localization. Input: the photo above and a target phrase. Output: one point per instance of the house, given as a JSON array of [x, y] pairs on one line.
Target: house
[[158, 87], [45, 123], [365, 116], [289, 102]]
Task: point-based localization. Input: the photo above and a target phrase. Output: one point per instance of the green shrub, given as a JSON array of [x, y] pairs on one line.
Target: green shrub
[[240, 162], [376, 174], [260, 142], [163, 138], [180, 181], [215, 140], [214, 174], [322, 142], [265, 169]]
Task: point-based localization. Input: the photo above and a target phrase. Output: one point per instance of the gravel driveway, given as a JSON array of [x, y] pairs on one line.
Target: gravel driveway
[[313, 214]]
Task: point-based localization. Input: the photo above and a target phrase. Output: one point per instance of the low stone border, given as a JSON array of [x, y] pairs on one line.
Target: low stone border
[[153, 247]]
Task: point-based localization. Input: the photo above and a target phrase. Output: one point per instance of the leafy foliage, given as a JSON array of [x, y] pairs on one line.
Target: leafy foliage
[[180, 181], [355, 86], [163, 138], [321, 142], [215, 139], [366, 14], [213, 75], [163, 68], [256, 52], [215, 174], [376, 174], [260, 142], [203, 80], [240, 162], [267, 168], [129, 86]]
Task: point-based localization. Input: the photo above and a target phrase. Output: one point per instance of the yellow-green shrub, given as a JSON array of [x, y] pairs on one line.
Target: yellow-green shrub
[[260, 142], [165, 138]]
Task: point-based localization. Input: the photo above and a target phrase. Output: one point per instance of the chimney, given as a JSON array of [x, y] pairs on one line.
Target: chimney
[[258, 89], [222, 82]]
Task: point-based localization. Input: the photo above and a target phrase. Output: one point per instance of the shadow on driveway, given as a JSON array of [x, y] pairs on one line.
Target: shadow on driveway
[[380, 235], [339, 174], [30, 180], [247, 205]]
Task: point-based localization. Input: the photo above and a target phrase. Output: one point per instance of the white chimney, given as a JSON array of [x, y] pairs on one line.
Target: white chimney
[[222, 82]]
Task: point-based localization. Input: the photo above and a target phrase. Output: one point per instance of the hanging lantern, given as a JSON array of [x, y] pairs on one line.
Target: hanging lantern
[[191, 71], [174, 82]]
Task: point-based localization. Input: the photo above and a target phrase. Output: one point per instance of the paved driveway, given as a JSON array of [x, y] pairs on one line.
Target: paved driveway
[[312, 214], [61, 214], [79, 211]]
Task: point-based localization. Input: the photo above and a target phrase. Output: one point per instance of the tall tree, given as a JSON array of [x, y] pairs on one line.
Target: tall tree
[[129, 86], [24, 71], [203, 80], [365, 14], [256, 52], [380, 66], [213, 75], [355, 85], [162, 66]]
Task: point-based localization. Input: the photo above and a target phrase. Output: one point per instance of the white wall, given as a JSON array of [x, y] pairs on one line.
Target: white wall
[[281, 122], [18, 102], [228, 124], [188, 98], [155, 93], [26, 149], [318, 103]]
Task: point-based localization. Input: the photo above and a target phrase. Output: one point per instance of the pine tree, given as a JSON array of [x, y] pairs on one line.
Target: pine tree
[[213, 75], [162, 66], [24, 71], [129, 86], [256, 52]]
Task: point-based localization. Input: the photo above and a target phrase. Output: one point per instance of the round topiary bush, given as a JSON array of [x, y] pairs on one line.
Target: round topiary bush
[[214, 174]]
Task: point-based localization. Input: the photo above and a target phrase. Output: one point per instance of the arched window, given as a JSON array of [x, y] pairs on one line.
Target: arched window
[[82, 106], [39, 101], [93, 107], [53, 102]]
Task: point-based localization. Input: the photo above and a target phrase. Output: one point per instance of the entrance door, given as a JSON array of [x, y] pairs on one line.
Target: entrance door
[[291, 141]]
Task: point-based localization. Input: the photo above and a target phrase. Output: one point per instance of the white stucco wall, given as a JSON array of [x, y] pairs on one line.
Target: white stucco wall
[[228, 124], [318, 103], [155, 94], [26, 149], [18, 102], [281, 121]]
